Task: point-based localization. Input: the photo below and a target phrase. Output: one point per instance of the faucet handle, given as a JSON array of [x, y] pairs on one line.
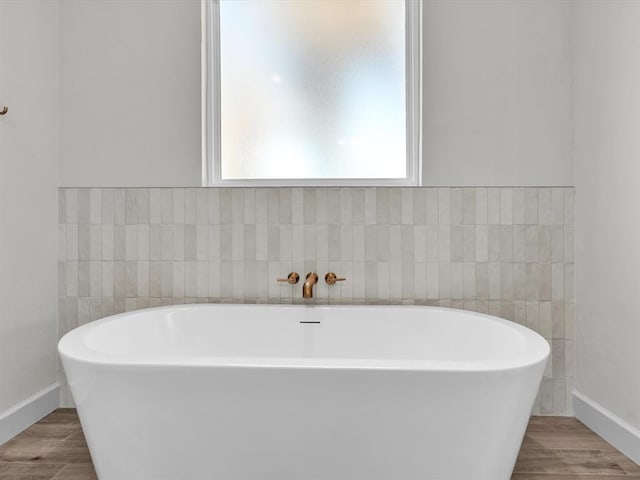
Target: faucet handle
[[331, 278], [291, 279]]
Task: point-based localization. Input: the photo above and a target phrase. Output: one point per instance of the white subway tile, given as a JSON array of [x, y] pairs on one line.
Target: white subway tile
[[455, 206], [214, 206], [457, 281], [444, 243], [261, 244], [482, 243], [143, 279], [71, 277], [506, 206], [444, 279], [131, 242], [107, 279], [518, 198], [545, 320], [166, 206], [285, 208], [191, 279], [557, 281], [297, 204], [493, 206], [384, 281], [482, 281], [569, 208], [406, 206], [237, 243], [178, 279], [420, 243], [174, 241], [433, 280], [202, 206], [519, 281], [143, 242], [346, 206], [119, 206], [95, 206], [506, 281], [346, 243], [544, 206], [202, 243], [469, 243], [328, 245], [557, 206], [444, 206], [531, 246], [178, 205], [71, 242], [190, 206], [494, 281], [468, 206], [469, 280], [481, 205], [533, 316], [107, 206], [531, 206], [155, 206], [370, 215], [202, 280]]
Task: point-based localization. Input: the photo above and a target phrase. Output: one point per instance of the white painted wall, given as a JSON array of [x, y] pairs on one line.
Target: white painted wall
[[497, 93], [29, 86], [130, 93], [607, 155], [497, 96]]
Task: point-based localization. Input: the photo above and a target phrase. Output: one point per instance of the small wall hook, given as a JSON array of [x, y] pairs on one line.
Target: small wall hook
[[4, 110]]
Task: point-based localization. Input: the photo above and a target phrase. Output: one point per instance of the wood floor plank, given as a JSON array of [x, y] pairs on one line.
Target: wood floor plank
[[38, 450], [28, 471], [50, 430], [75, 439], [24, 449], [563, 434], [68, 454], [61, 415], [578, 461], [77, 472], [628, 465]]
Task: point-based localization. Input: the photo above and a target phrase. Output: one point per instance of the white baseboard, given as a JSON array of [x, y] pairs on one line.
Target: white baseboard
[[28, 412], [613, 429]]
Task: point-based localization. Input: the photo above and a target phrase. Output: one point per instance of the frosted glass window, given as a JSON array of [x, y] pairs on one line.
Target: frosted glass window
[[313, 89]]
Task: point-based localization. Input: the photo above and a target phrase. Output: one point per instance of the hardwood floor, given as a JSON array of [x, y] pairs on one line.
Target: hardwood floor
[[554, 448], [562, 448], [53, 448]]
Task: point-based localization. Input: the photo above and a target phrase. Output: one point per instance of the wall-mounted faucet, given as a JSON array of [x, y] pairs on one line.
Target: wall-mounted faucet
[[307, 287], [331, 278], [311, 279], [291, 279]]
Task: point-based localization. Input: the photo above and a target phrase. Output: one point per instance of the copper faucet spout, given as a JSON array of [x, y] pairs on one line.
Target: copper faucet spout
[[307, 287]]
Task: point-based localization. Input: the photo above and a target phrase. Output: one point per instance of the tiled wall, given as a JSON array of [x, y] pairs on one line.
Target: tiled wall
[[504, 251]]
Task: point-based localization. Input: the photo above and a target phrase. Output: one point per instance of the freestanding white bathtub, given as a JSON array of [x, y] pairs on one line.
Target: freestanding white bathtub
[[253, 392]]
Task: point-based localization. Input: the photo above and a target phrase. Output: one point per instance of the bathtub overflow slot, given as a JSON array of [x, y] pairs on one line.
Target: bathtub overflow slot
[[309, 321]]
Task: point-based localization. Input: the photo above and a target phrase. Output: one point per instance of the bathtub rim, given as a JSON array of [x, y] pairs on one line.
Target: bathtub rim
[[72, 347]]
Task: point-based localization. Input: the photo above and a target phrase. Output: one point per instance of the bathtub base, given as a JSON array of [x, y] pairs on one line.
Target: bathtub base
[[302, 424]]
